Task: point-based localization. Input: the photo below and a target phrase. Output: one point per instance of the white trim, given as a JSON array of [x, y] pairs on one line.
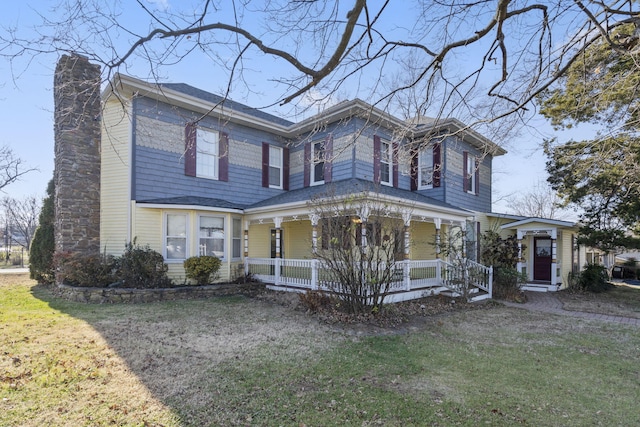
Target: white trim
[[186, 207], [280, 167], [224, 234], [187, 252]]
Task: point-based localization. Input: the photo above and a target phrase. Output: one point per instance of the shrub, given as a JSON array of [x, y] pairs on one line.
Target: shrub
[[594, 278], [314, 301], [507, 282], [142, 267], [84, 270], [41, 267], [202, 269]]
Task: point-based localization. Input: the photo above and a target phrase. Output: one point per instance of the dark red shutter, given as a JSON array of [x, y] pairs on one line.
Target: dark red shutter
[[376, 159], [394, 160], [223, 157], [328, 158], [465, 176], [285, 168], [190, 132], [477, 174], [265, 164], [437, 165], [307, 164], [478, 248], [414, 170]]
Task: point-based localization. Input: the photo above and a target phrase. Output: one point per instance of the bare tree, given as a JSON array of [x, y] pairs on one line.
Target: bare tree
[[22, 218], [477, 61], [361, 240], [539, 201], [11, 167]]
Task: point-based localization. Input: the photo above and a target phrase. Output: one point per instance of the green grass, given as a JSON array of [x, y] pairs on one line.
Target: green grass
[[236, 361]]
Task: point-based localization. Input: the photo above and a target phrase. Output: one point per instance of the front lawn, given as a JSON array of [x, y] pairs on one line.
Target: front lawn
[[238, 361]]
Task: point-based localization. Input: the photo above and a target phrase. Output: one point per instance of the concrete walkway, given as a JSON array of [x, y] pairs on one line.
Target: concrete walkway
[[547, 302]]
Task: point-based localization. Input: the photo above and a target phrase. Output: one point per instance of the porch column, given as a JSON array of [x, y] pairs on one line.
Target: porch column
[[314, 218], [554, 259], [463, 233], [406, 271], [278, 222], [519, 236], [246, 238], [438, 223], [246, 247], [364, 213]]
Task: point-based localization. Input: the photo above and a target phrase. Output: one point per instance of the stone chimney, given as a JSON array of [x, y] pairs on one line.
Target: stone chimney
[[76, 91]]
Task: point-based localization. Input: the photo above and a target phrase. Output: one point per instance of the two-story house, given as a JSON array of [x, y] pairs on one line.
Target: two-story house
[[190, 173]]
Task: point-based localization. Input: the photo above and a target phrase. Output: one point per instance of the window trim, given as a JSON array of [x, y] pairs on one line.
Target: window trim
[[165, 236], [388, 163], [421, 153], [224, 233], [315, 161], [239, 238], [280, 157], [201, 136], [471, 174]]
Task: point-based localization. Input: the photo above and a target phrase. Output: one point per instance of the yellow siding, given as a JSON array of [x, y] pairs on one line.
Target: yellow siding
[[423, 239], [564, 255], [115, 177], [297, 239], [260, 240]]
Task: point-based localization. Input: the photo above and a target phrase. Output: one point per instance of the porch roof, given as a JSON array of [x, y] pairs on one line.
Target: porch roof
[[297, 199], [191, 201]]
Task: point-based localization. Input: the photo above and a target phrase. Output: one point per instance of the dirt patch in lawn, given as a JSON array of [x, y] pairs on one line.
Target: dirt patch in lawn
[[617, 301]]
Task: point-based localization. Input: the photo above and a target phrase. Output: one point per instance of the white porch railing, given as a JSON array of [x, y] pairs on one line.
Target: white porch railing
[[408, 275]]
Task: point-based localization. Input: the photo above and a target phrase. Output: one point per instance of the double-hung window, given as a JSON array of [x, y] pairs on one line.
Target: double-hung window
[[385, 163], [425, 169], [275, 167], [471, 173], [207, 154], [236, 238], [317, 161], [211, 236], [176, 237]]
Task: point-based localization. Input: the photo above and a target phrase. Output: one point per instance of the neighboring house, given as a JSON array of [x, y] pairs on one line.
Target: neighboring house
[[190, 173]]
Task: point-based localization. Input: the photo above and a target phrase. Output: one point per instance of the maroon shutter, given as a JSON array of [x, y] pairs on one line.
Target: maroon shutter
[[285, 168], [394, 160], [328, 158], [437, 165], [223, 157], [477, 174], [376, 159], [414, 170], [265, 164], [465, 177], [190, 132], [307, 164]]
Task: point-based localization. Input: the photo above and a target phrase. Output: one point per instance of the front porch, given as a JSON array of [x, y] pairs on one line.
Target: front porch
[[412, 279]]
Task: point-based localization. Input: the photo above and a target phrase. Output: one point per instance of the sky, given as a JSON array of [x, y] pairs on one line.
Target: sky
[[26, 104]]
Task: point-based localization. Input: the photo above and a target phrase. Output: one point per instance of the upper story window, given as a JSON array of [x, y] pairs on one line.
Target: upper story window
[[318, 157], [175, 247], [207, 154], [425, 169], [275, 167], [471, 173], [211, 236], [385, 163]]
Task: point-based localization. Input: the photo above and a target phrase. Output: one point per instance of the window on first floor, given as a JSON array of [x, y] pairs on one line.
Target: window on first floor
[[211, 232], [236, 237], [176, 237]]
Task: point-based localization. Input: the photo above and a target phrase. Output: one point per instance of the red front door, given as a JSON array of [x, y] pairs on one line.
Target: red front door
[[542, 259]]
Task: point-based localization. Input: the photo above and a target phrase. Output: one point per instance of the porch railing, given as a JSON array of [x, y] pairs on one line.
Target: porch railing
[[408, 275]]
